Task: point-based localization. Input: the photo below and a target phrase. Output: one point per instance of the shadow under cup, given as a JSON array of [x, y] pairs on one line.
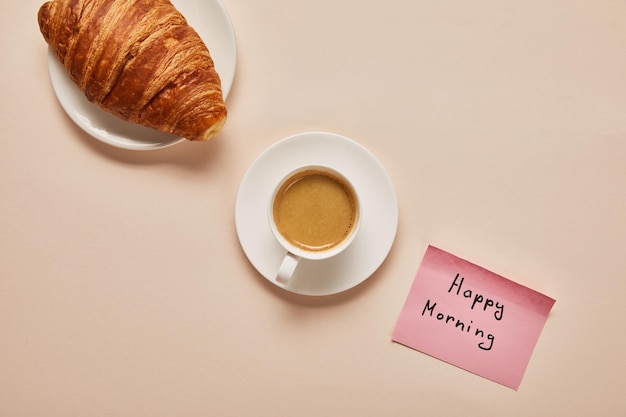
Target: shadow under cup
[[314, 213]]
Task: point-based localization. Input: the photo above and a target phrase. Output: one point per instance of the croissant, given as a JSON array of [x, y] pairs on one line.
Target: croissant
[[139, 60]]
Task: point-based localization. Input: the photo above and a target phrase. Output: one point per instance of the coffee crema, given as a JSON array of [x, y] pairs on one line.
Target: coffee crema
[[315, 210]]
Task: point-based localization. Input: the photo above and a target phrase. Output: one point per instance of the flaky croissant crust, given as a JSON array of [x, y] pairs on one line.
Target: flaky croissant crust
[[139, 60]]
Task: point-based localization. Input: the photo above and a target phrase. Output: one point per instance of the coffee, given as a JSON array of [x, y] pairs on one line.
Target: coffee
[[315, 210]]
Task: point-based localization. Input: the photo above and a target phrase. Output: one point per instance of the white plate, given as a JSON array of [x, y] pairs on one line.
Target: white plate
[[210, 19], [379, 208]]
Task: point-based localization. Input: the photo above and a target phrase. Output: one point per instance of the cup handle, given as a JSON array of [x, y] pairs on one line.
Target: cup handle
[[287, 268]]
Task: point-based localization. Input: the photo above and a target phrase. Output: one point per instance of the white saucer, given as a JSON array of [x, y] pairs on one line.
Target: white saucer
[[379, 208], [210, 19]]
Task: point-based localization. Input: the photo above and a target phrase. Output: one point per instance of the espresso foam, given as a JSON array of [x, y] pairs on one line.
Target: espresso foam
[[315, 210]]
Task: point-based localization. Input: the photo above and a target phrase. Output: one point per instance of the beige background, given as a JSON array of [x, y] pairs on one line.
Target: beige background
[[124, 290]]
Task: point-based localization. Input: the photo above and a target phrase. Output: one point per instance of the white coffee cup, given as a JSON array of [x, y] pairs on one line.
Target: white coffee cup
[[314, 213]]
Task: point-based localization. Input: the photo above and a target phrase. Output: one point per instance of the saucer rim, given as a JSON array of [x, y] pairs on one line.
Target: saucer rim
[[368, 163]]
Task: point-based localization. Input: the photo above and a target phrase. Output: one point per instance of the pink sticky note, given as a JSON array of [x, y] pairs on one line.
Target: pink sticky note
[[472, 318]]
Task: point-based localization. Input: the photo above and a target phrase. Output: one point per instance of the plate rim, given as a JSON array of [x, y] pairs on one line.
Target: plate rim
[[61, 81]]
